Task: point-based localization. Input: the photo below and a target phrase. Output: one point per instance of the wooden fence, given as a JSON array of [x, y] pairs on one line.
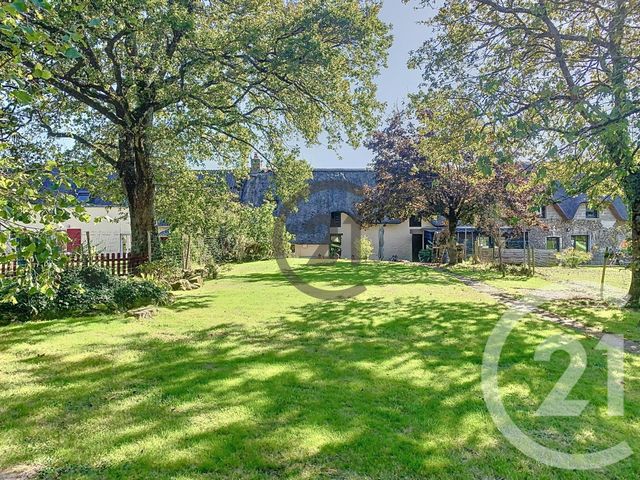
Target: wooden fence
[[118, 263], [518, 256]]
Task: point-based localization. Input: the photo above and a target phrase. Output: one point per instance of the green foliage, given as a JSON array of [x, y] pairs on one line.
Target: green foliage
[[149, 86], [164, 271], [212, 271], [245, 233], [38, 251], [364, 249], [425, 255], [557, 80], [573, 258], [24, 169], [134, 292], [83, 291]]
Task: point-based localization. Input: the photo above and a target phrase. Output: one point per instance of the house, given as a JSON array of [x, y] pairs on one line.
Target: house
[[327, 222], [571, 221]]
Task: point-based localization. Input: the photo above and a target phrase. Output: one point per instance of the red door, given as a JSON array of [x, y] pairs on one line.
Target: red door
[[75, 239]]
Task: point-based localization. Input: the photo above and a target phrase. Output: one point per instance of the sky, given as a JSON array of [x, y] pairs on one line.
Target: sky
[[394, 82]]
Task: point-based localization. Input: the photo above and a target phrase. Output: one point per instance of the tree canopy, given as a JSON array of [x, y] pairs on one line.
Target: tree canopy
[[562, 76], [193, 80], [34, 186], [443, 164]]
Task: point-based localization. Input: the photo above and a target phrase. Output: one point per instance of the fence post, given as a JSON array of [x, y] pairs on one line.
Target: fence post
[[89, 252], [604, 271], [533, 261]]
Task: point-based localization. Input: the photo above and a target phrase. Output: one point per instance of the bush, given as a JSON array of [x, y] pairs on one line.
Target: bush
[[26, 307], [425, 255], [572, 258], [94, 276], [87, 290], [134, 292], [363, 249], [162, 271], [212, 271]]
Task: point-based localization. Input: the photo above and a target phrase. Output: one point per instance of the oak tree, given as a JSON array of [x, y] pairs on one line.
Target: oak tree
[[209, 80]]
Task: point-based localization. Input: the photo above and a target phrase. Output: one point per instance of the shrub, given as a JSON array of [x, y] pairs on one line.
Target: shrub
[[161, 271], [425, 255], [212, 271], [364, 249], [135, 292], [85, 290], [571, 257], [94, 276], [90, 289], [26, 306]]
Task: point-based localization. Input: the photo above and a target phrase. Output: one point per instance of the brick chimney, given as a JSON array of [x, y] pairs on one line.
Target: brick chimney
[[255, 163]]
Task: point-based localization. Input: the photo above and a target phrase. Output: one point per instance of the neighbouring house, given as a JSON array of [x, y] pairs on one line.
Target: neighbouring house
[[327, 222], [108, 229]]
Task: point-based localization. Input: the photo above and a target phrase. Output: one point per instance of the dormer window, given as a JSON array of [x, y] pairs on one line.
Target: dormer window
[[415, 221], [82, 195], [591, 213], [542, 212], [336, 219]]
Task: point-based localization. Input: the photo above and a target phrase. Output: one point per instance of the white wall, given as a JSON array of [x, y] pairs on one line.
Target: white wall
[[311, 250], [397, 241], [108, 234]]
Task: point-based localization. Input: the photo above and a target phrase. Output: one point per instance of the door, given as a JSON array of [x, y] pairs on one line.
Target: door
[[335, 245], [416, 246], [75, 239]]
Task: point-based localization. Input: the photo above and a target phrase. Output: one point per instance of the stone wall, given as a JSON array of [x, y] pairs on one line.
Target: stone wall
[[605, 231]]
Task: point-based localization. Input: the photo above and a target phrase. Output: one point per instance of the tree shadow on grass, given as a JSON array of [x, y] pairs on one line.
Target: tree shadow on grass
[[362, 388], [344, 273]]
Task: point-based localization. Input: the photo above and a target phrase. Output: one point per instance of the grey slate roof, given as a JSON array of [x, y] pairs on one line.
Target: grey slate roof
[[568, 205]]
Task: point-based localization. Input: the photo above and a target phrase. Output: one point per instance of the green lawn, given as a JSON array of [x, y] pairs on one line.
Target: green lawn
[[606, 316], [248, 378]]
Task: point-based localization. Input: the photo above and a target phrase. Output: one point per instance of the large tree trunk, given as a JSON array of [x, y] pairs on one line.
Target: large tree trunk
[[452, 243], [137, 179], [632, 192]]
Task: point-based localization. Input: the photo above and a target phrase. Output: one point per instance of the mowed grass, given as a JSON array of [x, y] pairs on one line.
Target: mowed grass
[[248, 378], [584, 282]]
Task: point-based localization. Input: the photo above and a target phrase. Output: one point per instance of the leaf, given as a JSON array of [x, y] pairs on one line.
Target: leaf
[[72, 53], [19, 5], [22, 96], [40, 72], [484, 165]]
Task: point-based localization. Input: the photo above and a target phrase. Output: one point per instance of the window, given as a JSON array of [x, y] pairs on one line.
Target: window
[[591, 213], [484, 241], [335, 247], [580, 242], [553, 243], [415, 221], [520, 241], [542, 212], [336, 219]]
